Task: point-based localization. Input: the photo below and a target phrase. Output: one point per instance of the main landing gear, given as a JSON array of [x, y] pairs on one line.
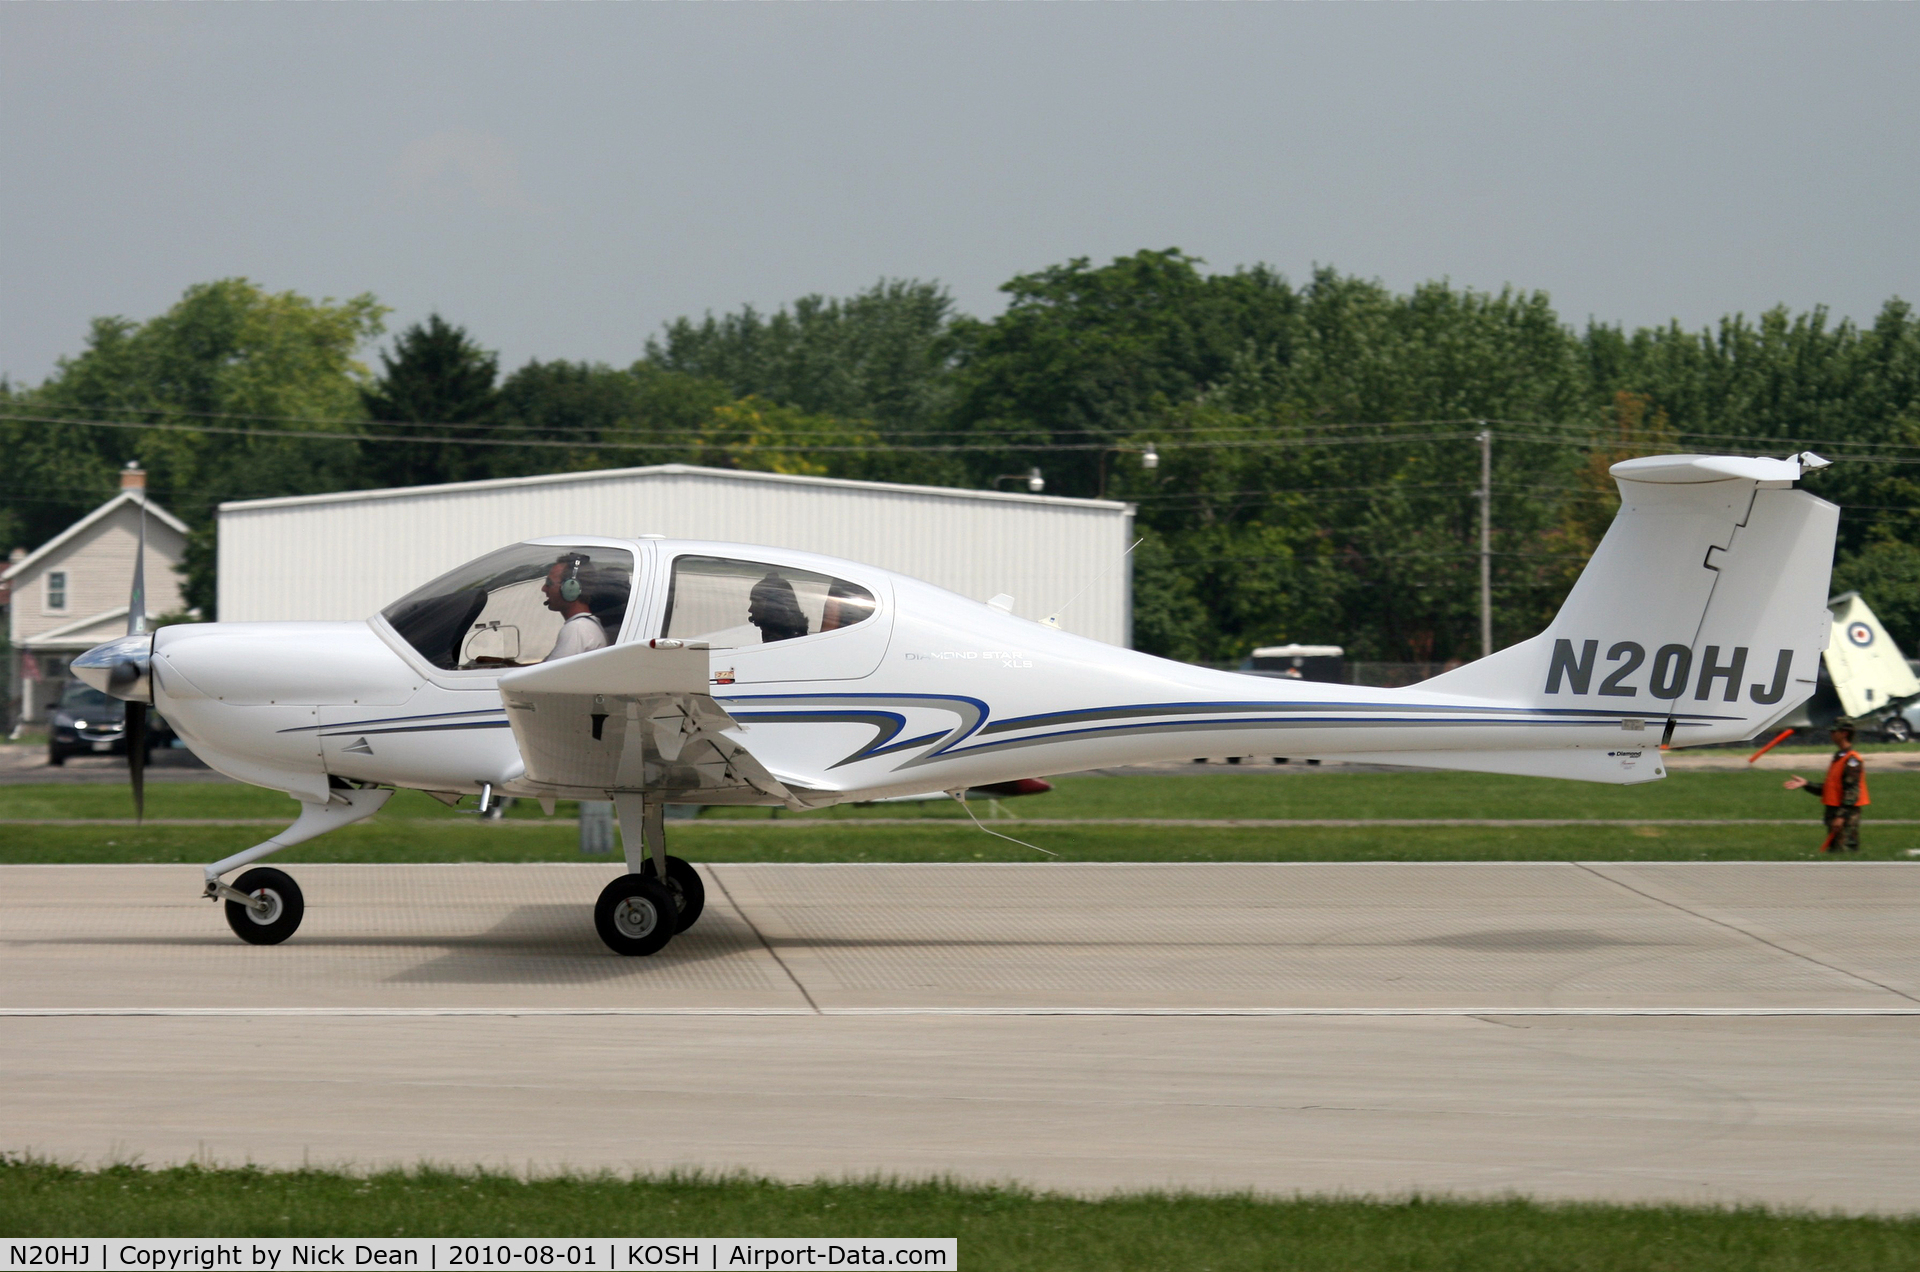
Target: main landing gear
[[659, 895]]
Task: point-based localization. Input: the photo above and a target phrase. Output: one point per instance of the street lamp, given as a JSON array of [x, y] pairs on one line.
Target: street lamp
[[1149, 460], [1035, 482]]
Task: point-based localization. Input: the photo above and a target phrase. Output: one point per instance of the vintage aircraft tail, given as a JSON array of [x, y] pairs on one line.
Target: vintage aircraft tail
[[1868, 671], [1703, 610]]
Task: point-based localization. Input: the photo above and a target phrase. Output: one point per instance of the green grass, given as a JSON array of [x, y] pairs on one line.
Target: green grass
[[416, 828], [1265, 793], [739, 841], [206, 799], [1241, 793], [997, 1227]]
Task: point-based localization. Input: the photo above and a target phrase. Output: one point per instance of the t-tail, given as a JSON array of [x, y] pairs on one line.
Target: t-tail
[[1701, 617]]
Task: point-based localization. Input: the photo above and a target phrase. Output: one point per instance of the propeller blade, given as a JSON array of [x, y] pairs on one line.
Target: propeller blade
[[137, 756], [137, 710], [137, 600]]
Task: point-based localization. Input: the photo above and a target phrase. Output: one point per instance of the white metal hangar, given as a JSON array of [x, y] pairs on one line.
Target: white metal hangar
[[344, 556]]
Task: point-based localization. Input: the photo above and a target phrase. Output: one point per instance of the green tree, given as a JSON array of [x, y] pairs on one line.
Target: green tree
[[226, 387], [606, 418], [435, 375], [1086, 356], [880, 360]]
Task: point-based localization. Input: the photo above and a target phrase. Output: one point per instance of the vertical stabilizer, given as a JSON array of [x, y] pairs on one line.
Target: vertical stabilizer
[[1704, 607]]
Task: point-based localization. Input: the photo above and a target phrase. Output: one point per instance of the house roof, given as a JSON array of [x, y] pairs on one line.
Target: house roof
[[670, 470], [63, 634], [79, 527]]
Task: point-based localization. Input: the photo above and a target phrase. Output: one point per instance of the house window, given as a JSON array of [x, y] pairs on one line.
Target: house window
[[56, 589]]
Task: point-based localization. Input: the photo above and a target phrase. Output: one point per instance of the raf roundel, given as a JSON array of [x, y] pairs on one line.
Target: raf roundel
[[1860, 634]]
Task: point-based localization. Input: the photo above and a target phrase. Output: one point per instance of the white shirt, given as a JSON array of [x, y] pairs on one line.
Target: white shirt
[[578, 635]]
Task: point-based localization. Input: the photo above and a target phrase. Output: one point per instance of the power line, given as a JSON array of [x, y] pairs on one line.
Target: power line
[[707, 441], [1574, 433], [694, 433]]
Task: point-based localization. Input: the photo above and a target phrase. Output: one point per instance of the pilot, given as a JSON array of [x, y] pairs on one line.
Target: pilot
[[775, 610], [1844, 792], [581, 632]]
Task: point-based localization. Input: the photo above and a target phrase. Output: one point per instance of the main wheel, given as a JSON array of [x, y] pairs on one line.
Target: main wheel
[[285, 907], [690, 894], [636, 915], [1896, 729], [56, 757]]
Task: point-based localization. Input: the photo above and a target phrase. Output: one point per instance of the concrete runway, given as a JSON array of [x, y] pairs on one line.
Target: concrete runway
[[1721, 1031]]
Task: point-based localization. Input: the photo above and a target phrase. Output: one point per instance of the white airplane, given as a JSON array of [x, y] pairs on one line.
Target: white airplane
[[651, 671]]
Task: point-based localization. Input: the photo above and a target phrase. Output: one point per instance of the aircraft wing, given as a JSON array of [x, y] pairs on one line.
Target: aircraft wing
[[634, 717]]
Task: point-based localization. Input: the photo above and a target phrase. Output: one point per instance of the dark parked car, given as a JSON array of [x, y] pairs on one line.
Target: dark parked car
[[87, 722]]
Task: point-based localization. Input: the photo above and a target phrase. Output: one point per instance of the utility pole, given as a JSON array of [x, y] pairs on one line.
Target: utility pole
[[1486, 540]]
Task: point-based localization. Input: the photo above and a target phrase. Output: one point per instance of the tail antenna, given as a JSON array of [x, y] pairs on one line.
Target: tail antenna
[[960, 797], [1053, 619]]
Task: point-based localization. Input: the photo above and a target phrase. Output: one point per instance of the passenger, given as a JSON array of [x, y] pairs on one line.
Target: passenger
[[581, 632], [775, 610]]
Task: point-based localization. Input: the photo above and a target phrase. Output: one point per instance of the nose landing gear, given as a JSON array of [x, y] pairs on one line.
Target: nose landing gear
[[264, 905], [272, 910]]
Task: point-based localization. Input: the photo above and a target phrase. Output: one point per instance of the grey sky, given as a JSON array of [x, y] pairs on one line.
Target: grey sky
[[561, 179]]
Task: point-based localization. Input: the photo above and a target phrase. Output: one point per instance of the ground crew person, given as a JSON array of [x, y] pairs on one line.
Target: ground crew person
[[1844, 793]]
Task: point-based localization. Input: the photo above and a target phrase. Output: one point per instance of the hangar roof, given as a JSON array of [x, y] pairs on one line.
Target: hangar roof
[[671, 470]]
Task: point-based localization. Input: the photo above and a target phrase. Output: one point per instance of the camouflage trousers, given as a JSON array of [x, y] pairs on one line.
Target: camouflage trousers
[[1843, 828]]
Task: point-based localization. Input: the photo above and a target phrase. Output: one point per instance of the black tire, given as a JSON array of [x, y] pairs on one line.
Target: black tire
[[636, 915], [689, 892], [56, 757], [280, 922], [1896, 729]]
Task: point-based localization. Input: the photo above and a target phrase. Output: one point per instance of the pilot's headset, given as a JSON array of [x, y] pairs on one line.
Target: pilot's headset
[[570, 586]]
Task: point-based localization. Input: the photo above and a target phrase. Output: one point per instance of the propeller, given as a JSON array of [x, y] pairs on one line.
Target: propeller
[[123, 668], [127, 674]]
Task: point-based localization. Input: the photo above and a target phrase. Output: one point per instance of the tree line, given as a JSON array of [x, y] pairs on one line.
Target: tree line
[[1318, 468]]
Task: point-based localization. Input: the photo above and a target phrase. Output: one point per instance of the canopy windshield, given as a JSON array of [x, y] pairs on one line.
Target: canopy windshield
[[508, 608]]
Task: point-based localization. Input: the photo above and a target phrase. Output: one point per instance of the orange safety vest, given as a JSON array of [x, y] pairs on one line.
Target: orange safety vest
[[1830, 793]]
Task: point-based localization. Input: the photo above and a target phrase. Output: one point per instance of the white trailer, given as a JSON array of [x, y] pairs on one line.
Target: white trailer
[[344, 556]]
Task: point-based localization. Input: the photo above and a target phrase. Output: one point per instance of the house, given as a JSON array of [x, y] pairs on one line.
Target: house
[[71, 593]]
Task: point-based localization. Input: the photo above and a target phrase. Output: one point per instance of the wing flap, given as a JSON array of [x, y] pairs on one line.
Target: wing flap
[[634, 718]]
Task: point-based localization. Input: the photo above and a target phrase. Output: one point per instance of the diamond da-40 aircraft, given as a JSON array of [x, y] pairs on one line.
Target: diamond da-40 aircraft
[[650, 671]]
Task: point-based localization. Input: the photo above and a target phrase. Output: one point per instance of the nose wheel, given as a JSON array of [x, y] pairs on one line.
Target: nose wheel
[[275, 907]]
